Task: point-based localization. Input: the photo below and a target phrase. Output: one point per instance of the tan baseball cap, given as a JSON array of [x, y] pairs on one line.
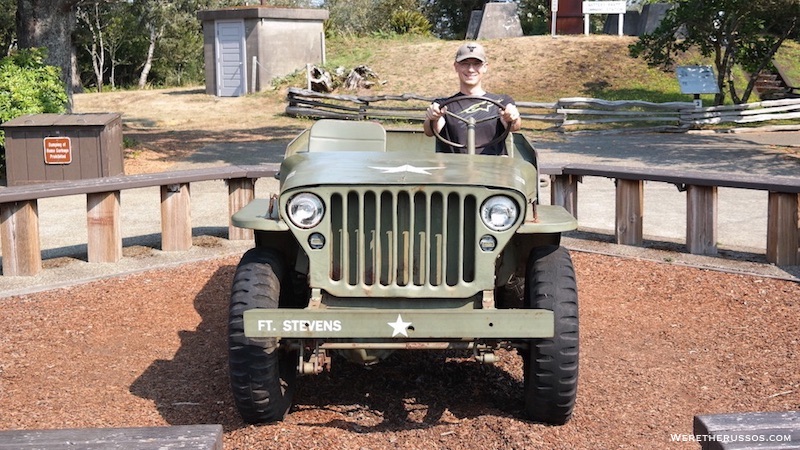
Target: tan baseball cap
[[471, 50]]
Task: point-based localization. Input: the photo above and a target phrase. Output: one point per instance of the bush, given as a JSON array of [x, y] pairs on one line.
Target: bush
[[28, 86], [407, 21]]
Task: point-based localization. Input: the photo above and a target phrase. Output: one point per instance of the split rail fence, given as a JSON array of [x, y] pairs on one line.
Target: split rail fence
[[19, 208], [563, 113]]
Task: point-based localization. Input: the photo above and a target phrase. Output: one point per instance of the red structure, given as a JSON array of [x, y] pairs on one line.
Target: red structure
[[569, 18]]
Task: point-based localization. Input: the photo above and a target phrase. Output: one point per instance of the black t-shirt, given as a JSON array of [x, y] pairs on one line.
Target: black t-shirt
[[456, 130]]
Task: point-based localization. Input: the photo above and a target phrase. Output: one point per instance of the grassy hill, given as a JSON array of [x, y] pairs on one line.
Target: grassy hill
[[531, 68], [164, 125]]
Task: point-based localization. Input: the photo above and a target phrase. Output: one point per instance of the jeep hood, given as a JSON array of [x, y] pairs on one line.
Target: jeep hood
[[376, 168]]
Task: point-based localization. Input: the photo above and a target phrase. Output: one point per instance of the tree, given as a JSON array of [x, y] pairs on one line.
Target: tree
[[747, 33], [90, 15], [450, 18], [154, 16], [534, 16], [8, 12], [49, 24]]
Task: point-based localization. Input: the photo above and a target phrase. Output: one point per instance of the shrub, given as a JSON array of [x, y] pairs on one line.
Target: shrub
[[28, 86], [407, 21]]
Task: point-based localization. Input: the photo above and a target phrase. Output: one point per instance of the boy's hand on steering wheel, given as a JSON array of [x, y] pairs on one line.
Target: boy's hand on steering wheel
[[434, 112], [510, 114]]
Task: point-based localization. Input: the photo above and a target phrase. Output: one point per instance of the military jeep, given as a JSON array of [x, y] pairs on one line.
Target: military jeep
[[377, 243]]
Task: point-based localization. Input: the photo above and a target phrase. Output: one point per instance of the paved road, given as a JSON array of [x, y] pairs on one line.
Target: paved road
[[742, 214]]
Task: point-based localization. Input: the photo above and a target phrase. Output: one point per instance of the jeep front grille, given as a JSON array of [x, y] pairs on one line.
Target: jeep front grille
[[388, 238]]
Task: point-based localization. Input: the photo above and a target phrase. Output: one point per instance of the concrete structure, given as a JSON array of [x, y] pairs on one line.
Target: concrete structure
[[638, 23], [652, 15], [246, 48], [497, 20]]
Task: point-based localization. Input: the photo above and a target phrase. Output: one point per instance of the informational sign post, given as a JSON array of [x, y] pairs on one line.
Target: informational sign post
[[554, 12], [57, 150], [697, 80], [604, 7]]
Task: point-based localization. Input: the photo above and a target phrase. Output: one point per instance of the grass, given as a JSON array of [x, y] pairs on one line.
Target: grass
[[788, 58], [531, 68]]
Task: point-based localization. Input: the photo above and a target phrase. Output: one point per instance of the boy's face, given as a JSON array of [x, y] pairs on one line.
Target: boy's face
[[470, 71]]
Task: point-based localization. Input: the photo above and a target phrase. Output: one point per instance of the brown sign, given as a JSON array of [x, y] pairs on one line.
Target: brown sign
[[57, 150]]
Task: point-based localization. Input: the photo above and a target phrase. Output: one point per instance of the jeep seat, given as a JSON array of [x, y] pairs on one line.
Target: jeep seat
[[331, 135]]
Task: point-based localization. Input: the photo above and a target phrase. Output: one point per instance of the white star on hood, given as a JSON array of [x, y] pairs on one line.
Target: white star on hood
[[407, 168], [399, 326]]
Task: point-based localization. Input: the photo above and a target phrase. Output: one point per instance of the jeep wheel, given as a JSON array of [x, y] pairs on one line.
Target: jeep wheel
[[551, 365], [262, 373]]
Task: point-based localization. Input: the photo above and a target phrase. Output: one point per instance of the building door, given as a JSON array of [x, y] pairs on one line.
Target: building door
[[231, 73]]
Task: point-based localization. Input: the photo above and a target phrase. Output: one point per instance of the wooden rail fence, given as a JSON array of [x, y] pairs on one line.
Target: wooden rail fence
[[19, 212], [783, 220], [19, 217], [563, 113]]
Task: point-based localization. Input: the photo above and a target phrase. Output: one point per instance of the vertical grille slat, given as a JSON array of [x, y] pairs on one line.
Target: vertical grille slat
[[388, 238]]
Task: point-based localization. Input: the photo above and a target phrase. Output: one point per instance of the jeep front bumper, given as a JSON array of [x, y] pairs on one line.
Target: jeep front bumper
[[399, 323]]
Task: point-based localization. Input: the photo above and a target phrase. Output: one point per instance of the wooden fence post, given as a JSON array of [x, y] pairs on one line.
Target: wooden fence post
[[19, 237], [103, 227], [176, 217], [701, 220], [564, 192], [241, 191], [629, 212], [782, 229]]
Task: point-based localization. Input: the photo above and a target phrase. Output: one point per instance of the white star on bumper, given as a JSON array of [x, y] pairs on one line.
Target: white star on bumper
[[399, 326]]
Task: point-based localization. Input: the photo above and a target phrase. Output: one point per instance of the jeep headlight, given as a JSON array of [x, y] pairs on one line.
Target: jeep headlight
[[499, 213], [305, 210]]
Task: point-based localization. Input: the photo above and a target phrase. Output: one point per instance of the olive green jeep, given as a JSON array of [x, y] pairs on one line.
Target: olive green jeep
[[377, 243]]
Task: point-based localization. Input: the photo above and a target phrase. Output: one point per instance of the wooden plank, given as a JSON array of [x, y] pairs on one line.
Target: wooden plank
[[176, 217], [688, 177], [743, 431], [564, 192], [123, 182], [296, 111], [624, 115], [782, 229], [241, 191], [624, 104], [629, 212], [313, 104], [641, 118], [194, 437], [104, 242], [703, 114], [758, 105], [701, 220], [748, 119], [539, 105], [19, 237]]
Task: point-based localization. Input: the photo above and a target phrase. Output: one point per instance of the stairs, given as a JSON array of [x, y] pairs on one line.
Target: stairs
[[774, 85]]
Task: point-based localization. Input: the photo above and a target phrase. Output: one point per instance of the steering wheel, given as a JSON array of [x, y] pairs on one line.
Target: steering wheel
[[471, 122]]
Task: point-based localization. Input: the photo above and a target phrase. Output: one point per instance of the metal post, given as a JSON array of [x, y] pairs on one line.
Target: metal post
[[554, 12]]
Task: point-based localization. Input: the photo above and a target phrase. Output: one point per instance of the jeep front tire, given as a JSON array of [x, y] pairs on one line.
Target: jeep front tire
[[262, 374], [551, 365]]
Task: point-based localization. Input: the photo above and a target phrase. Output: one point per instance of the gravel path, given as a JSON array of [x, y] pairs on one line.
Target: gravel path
[[660, 344]]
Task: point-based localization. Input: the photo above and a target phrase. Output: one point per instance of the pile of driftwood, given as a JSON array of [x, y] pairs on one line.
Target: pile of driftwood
[[320, 80]]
